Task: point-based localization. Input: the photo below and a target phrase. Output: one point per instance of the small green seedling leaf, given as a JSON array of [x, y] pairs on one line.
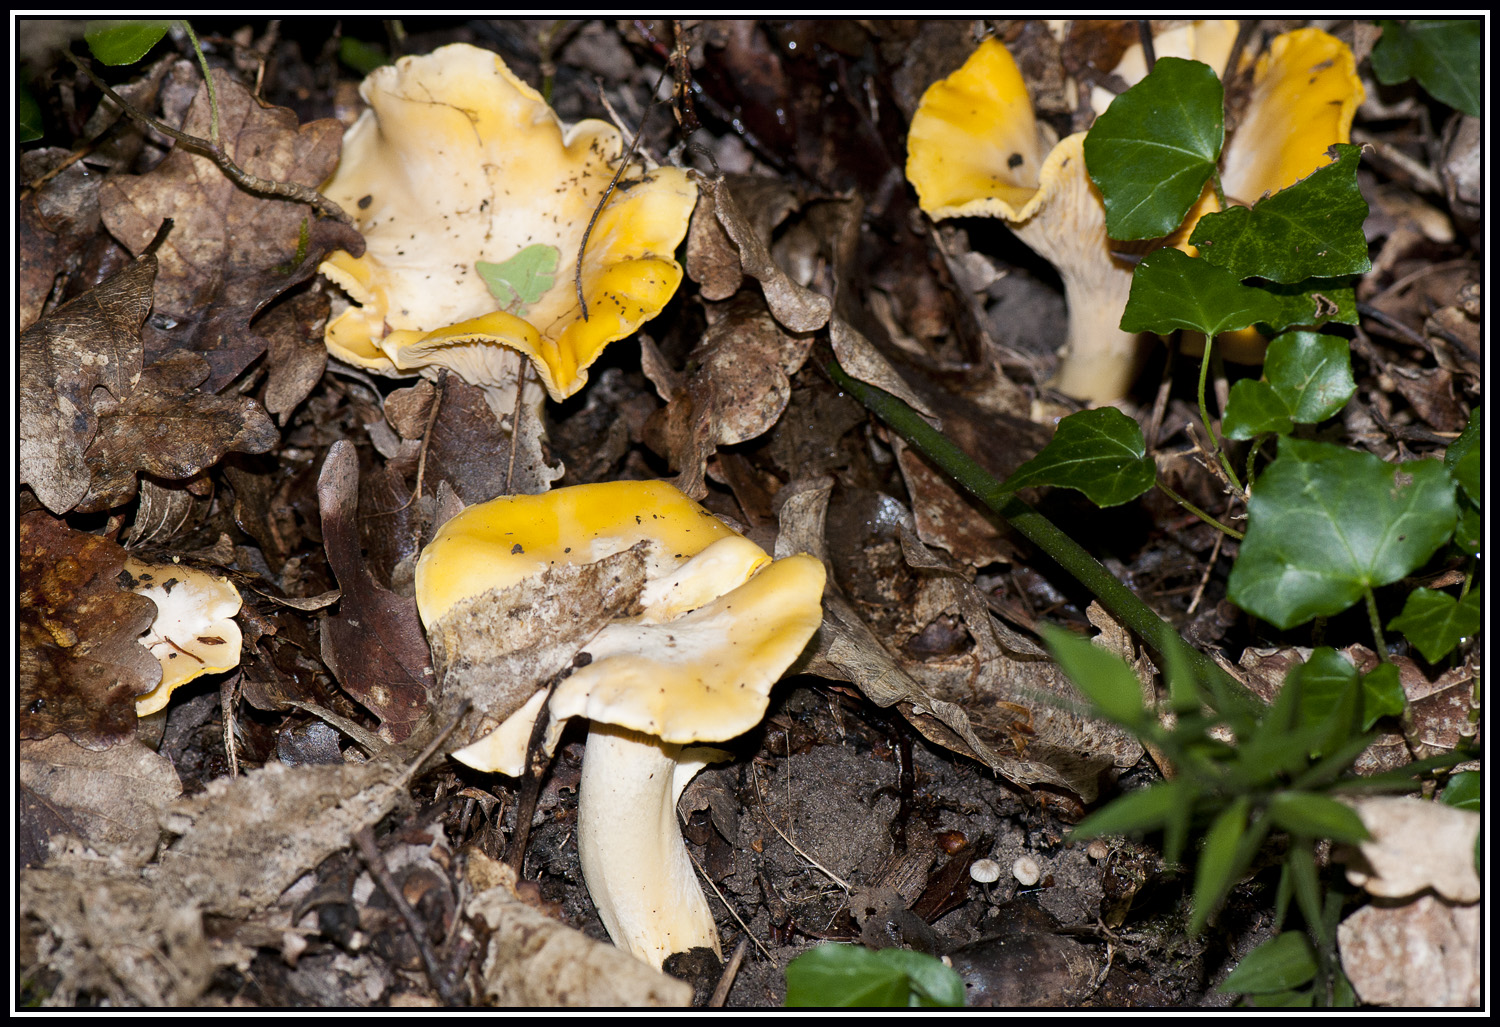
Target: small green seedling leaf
[[123, 42], [1151, 152], [1465, 457], [1312, 302], [1308, 379], [1382, 693], [1101, 453], [1136, 812], [1435, 622], [361, 56], [1218, 862], [1327, 523], [1465, 790], [1105, 679], [28, 116], [1311, 229], [520, 281], [1285, 962], [849, 975], [1445, 55], [1171, 290], [1316, 816]]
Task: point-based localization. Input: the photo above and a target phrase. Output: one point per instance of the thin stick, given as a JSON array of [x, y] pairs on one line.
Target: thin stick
[[604, 197], [726, 979], [720, 895], [364, 838], [294, 191], [515, 424], [835, 878]]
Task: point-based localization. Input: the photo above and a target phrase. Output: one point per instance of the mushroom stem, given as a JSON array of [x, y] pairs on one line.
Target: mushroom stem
[[634, 861], [1101, 361]]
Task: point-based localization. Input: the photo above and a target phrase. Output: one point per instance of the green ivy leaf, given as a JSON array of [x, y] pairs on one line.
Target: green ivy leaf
[[849, 975], [28, 116], [1468, 534], [520, 281], [1383, 694], [1101, 453], [1465, 457], [1435, 622], [1445, 55], [1171, 290], [1312, 302], [1307, 380], [1464, 790], [1105, 679], [1151, 152], [1311, 229], [1327, 681], [1326, 523], [1316, 816], [1286, 961], [123, 42]]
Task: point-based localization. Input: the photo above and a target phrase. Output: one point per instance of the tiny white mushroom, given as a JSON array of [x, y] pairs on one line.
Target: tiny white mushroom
[[1026, 871]]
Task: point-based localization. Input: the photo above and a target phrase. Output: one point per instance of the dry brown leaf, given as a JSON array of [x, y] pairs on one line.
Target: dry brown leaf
[[797, 307], [90, 342], [296, 354], [53, 225], [374, 645], [168, 428], [230, 252], [1419, 954], [738, 385], [105, 798], [535, 961], [80, 665], [1415, 845]]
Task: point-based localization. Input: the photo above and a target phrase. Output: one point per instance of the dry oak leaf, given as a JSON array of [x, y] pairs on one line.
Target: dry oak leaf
[[167, 428], [374, 645], [80, 665], [90, 342], [230, 252], [54, 225]]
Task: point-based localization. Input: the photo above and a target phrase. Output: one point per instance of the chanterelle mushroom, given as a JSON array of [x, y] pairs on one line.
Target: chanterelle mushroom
[[473, 199], [194, 631], [713, 625]]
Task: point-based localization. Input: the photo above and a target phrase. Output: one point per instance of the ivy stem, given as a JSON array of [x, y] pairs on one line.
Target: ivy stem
[[1208, 425], [1260, 440], [1200, 514], [1219, 190], [208, 80], [1121, 603], [1375, 626]]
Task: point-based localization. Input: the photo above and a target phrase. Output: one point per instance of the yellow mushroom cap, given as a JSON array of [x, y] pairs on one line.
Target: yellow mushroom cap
[[194, 631], [458, 162], [1302, 102]]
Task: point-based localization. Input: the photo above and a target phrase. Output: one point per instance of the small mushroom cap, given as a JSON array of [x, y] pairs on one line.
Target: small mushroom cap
[[985, 871], [1210, 41], [194, 631], [459, 163]]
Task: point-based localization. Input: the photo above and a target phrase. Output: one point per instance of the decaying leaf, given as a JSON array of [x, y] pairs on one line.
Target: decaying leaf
[[105, 798], [1419, 954], [795, 306], [1415, 845], [80, 664], [230, 252], [533, 960], [166, 427], [738, 385], [295, 355], [471, 450], [54, 225], [374, 644], [91, 342]]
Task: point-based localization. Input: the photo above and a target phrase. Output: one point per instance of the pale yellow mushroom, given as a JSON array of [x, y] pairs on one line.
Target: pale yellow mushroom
[[718, 624], [194, 632]]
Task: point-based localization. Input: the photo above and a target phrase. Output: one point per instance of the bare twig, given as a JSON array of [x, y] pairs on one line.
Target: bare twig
[[726, 979], [737, 919], [294, 191], [364, 838]]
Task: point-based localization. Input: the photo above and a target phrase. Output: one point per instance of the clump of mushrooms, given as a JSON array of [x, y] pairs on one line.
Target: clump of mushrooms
[[194, 632], [975, 149], [709, 624], [474, 199]]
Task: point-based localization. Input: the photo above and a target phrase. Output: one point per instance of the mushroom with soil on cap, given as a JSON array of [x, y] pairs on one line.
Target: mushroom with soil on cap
[[474, 199], [975, 149], [194, 632], [711, 625]]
